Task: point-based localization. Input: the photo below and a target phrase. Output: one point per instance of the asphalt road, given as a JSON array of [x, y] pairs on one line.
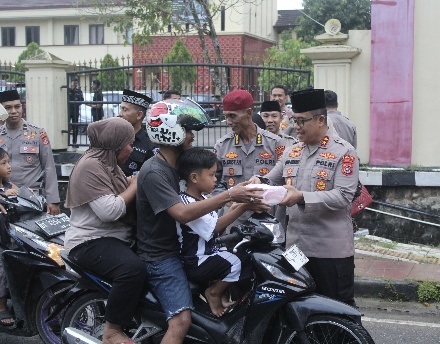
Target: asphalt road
[[387, 322]]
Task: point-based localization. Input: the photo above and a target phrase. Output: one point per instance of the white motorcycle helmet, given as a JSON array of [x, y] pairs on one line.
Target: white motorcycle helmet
[[168, 120]]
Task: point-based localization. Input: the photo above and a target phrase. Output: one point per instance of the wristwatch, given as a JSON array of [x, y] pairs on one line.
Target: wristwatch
[[263, 180]]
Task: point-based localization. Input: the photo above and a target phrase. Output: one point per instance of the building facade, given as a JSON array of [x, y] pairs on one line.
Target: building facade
[[59, 27]]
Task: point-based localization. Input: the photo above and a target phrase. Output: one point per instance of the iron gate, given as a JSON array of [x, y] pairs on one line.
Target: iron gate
[[204, 83]]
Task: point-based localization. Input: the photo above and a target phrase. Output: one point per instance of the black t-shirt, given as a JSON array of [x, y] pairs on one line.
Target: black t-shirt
[[98, 114], [142, 151], [75, 95], [158, 190]]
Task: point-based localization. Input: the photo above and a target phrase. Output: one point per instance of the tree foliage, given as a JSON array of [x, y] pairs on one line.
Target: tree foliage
[[147, 18], [353, 15], [32, 50], [181, 76], [112, 79], [288, 55]]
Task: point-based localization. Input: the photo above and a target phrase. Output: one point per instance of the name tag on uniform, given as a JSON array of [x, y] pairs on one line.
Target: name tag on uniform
[[295, 257], [28, 149]]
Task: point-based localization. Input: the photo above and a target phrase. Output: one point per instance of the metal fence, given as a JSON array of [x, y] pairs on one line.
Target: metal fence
[[202, 82]]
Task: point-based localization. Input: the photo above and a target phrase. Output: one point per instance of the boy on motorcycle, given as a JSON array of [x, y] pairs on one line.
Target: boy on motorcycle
[[202, 259], [170, 124]]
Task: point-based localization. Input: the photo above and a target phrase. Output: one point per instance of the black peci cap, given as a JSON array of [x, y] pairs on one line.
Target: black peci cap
[[307, 100]]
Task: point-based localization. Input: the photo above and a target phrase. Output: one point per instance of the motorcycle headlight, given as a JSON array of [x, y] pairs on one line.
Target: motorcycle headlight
[[277, 273], [52, 249], [279, 234]]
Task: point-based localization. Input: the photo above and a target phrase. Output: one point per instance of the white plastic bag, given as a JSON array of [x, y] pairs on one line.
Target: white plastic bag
[[272, 195]]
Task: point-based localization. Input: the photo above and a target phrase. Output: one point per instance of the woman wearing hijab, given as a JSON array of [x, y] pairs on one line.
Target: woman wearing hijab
[[100, 236]]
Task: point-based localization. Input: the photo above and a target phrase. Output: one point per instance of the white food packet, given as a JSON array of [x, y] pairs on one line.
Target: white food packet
[[272, 195]]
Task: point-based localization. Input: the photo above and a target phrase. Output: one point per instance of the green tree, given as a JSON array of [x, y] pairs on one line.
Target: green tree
[[112, 79], [181, 75], [353, 15], [147, 18], [32, 50], [288, 55]]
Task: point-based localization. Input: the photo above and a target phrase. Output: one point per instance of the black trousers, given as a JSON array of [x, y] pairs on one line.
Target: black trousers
[[113, 259], [75, 118], [334, 277]]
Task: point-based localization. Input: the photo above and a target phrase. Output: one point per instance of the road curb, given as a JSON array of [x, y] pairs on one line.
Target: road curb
[[386, 289]]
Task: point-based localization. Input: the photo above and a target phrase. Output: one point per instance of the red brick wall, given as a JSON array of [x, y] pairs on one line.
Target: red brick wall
[[236, 49]]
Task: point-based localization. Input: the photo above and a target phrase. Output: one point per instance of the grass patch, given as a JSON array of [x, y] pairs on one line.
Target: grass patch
[[429, 291]]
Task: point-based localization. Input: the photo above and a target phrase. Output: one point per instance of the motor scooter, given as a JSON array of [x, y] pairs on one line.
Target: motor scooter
[[279, 307], [35, 273]]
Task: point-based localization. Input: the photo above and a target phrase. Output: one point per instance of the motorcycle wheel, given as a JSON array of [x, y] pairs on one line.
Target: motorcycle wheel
[[330, 329], [50, 332], [87, 314]]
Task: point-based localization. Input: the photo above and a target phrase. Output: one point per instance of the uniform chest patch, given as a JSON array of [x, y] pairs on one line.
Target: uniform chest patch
[[231, 155], [296, 152], [264, 171], [265, 155], [320, 185], [322, 174], [327, 155], [29, 159], [231, 182]]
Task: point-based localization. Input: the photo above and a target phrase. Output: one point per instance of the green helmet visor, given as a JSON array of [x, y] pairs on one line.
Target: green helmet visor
[[190, 115]]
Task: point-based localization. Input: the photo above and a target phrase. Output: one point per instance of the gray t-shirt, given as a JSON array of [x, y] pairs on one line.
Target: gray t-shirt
[[158, 190]]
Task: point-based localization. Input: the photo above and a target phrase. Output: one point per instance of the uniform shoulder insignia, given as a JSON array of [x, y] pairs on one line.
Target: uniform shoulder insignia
[[341, 141], [225, 137], [34, 126], [270, 135]]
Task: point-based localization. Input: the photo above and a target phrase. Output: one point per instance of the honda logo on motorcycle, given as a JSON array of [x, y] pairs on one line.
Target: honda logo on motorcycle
[[273, 290]]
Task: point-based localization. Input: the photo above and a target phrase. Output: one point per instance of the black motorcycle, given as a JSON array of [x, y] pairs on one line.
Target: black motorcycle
[[280, 307], [31, 244]]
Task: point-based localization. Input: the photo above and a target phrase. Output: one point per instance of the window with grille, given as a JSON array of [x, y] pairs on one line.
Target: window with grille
[[96, 34], [71, 34], [32, 34], [8, 36]]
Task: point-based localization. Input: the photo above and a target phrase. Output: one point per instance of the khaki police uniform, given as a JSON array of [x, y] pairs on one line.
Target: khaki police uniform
[[327, 175], [240, 164], [280, 211], [344, 127], [30, 152]]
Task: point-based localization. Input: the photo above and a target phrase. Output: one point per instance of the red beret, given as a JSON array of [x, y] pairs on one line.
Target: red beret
[[237, 100]]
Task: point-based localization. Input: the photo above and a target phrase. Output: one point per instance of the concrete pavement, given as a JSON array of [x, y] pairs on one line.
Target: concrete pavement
[[390, 270]]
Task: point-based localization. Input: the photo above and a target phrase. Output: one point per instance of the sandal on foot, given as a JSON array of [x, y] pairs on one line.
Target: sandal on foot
[[5, 315]]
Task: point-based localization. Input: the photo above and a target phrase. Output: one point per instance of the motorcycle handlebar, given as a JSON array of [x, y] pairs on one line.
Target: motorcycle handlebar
[[228, 238]]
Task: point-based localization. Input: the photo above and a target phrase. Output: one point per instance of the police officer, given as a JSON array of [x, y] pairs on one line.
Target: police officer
[[279, 94], [29, 149], [247, 150], [270, 112], [343, 126], [133, 108], [321, 174], [75, 95]]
